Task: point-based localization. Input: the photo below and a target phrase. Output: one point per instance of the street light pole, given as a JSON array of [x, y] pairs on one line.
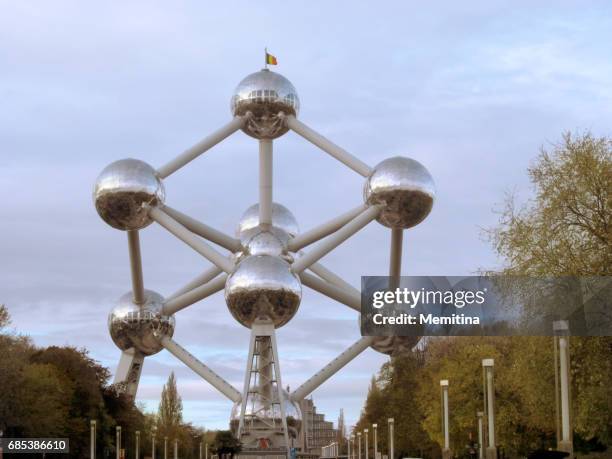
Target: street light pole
[[561, 330], [374, 426], [391, 451], [446, 452], [137, 444], [92, 439], [359, 442], [487, 364], [480, 414], [118, 442], [365, 432], [153, 442]]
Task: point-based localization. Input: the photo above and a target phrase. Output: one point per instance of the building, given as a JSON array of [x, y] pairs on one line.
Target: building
[[316, 431]]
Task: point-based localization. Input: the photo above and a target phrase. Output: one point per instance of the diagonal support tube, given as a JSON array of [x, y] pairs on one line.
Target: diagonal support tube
[[197, 244], [213, 378], [336, 239], [327, 146], [203, 230], [195, 295], [265, 181], [202, 146], [331, 368], [302, 240], [201, 279], [136, 267], [335, 292], [332, 278]]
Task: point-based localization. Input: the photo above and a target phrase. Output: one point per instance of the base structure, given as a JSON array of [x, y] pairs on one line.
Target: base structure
[[128, 371], [268, 422]]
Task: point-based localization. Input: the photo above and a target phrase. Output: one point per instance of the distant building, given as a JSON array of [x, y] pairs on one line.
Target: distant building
[[316, 431]]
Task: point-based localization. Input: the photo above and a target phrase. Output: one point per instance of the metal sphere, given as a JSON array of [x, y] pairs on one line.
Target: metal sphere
[[257, 407], [123, 190], [282, 218], [131, 325], [406, 190], [394, 345], [265, 94], [262, 287]]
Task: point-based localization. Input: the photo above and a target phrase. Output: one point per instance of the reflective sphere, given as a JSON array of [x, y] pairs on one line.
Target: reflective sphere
[[282, 218], [394, 345], [262, 287], [123, 190], [131, 325], [406, 190], [255, 407], [265, 94]]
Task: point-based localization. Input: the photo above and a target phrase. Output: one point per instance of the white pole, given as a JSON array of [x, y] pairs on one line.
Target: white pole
[[365, 435], [175, 448], [200, 147], [193, 296], [490, 396], [92, 440], [391, 450], [374, 426], [561, 329], [359, 440], [346, 297], [444, 387], [118, 441], [480, 414], [136, 267], [348, 445], [165, 447], [153, 444], [137, 455], [265, 181], [206, 451]]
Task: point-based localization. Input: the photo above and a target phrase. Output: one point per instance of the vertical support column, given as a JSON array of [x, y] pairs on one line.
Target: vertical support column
[[206, 451], [118, 442], [365, 436], [561, 330], [446, 452], [374, 427], [153, 443], [136, 267], [92, 439], [175, 448], [395, 258], [265, 181], [359, 442], [491, 451], [137, 452], [391, 450], [480, 414]]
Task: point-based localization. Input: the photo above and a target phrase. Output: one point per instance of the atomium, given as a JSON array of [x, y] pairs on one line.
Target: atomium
[[138, 326], [406, 190], [265, 264], [122, 192]]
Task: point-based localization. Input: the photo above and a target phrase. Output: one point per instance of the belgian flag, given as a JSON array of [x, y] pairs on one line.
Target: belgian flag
[[270, 59]]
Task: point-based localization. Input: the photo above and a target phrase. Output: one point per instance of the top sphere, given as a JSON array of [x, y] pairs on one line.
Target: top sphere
[[265, 94], [404, 188], [123, 190]]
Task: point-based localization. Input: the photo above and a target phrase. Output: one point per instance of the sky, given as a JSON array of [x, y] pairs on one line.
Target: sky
[[472, 90]]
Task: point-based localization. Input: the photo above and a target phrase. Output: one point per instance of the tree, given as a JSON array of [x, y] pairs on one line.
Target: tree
[[225, 444], [170, 412], [5, 318], [341, 435]]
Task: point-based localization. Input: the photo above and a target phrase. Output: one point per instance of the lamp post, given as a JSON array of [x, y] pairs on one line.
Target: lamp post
[[562, 367], [206, 451], [92, 439], [359, 443], [365, 434], [165, 447], [487, 365], [153, 430], [118, 442], [480, 414], [175, 448], [446, 452], [137, 452], [391, 451], [374, 426], [348, 445]]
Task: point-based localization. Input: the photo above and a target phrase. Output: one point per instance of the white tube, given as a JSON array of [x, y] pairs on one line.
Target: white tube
[[334, 292], [128, 371], [213, 378], [203, 145], [332, 278], [327, 146], [195, 295], [302, 240], [203, 230], [197, 244], [336, 239], [136, 267], [331, 368], [265, 181], [201, 279]]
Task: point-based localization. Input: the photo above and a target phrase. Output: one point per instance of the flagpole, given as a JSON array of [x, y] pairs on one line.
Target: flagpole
[[266, 58]]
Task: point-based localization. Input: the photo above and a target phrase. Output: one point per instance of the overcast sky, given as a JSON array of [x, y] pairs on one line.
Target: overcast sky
[[470, 89]]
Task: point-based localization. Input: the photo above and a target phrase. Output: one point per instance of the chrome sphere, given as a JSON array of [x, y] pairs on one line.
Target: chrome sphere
[[406, 190], [394, 345], [265, 94], [131, 325], [262, 287], [282, 218], [122, 192], [256, 408]]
